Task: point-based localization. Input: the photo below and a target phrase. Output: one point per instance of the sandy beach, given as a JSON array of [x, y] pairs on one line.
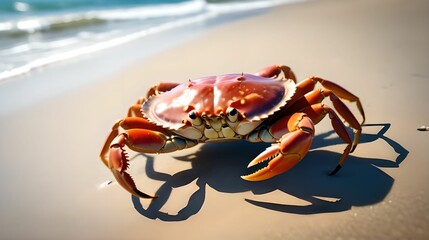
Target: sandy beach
[[53, 184]]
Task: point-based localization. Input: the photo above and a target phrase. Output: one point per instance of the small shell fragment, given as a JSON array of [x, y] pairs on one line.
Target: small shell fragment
[[423, 128], [104, 184]]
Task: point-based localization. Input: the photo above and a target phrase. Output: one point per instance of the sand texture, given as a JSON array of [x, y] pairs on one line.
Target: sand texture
[[379, 50]]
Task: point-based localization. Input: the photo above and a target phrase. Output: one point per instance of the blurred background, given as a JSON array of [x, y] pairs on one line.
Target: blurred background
[[35, 33]]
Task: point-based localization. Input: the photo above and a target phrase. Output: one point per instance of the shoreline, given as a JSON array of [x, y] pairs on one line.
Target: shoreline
[[122, 30], [52, 135]]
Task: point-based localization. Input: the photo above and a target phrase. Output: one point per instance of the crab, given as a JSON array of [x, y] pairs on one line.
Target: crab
[[268, 106]]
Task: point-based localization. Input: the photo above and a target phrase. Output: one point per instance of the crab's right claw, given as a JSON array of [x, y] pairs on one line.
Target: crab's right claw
[[277, 163], [118, 164]]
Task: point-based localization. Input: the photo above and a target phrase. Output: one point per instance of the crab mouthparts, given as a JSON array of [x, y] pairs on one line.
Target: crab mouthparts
[[264, 164]]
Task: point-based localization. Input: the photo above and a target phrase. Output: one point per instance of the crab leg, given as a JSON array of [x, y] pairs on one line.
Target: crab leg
[[141, 136], [118, 164], [316, 97], [117, 160], [135, 109], [275, 70], [126, 124], [339, 127], [312, 106], [289, 150], [308, 85]]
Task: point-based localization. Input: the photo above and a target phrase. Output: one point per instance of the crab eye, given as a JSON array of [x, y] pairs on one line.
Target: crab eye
[[192, 115], [194, 118], [232, 114]]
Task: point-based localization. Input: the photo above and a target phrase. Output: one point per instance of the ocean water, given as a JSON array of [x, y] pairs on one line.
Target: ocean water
[[36, 33]]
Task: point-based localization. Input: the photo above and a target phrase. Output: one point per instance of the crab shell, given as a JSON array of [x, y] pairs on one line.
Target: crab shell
[[254, 97]]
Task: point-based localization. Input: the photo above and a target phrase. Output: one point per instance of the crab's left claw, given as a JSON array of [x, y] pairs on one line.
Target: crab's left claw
[[277, 164], [118, 164], [281, 157]]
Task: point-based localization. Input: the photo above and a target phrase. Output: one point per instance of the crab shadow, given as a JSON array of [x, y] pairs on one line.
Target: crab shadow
[[219, 165]]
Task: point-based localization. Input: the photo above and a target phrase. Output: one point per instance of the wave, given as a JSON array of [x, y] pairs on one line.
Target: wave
[[65, 55], [63, 20], [35, 54], [60, 20]]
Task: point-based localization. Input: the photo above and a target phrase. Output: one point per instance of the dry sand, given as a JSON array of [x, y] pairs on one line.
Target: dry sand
[[379, 50]]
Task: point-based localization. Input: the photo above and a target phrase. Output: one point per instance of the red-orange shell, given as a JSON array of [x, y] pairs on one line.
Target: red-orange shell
[[254, 97]]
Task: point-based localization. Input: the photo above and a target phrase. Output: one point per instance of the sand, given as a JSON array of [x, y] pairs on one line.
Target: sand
[[50, 140]]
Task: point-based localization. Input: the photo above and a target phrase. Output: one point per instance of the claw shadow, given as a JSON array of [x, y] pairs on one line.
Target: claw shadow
[[305, 181]]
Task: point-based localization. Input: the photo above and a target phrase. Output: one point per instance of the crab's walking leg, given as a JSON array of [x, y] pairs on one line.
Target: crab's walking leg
[[312, 106], [315, 97], [308, 85], [321, 110], [135, 109], [295, 137], [275, 70], [139, 135]]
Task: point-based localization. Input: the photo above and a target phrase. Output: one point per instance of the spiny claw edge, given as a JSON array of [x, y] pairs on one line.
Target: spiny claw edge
[[272, 156], [118, 164]]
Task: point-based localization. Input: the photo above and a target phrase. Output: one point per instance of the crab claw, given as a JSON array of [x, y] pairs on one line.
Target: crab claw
[[277, 164], [281, 157], [118, 164]]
